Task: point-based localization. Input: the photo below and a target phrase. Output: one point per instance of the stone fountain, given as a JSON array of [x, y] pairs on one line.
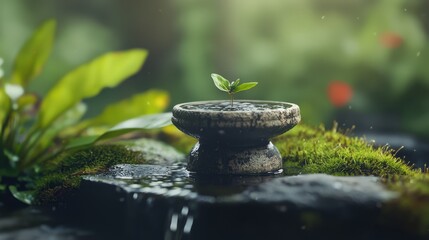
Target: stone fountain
[[235, 139]]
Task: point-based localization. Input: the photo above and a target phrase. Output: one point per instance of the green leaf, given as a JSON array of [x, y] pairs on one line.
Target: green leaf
[[245, 86], [87, 81], [70, 117], [5, 106], [34, 53], [1, 69], [149, 102], [235, 83], [220, 82], [26, 197], [146, 122]]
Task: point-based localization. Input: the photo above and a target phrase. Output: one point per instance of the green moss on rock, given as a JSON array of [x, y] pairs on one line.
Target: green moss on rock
[[63, 176], [410, 211], [316, 150]]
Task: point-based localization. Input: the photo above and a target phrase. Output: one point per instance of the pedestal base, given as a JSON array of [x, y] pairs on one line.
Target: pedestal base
[[213, 159]]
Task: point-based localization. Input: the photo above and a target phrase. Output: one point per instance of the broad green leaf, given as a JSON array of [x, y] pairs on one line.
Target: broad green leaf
[[5, 106], [149, 102], [245, 86], [34, 53], [146, 122], [220, 82], [1, 69], [26, 197], [87, 81], [72, 116], [27, 100]]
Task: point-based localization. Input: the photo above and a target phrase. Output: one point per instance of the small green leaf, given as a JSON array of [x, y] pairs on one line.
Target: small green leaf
[[220, 82], [245, 86], [87, 81], [26, 197], [235, 83], [34, 53]]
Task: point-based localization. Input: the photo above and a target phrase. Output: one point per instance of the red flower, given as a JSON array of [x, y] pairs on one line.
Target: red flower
[[391, 40], [339, 93]]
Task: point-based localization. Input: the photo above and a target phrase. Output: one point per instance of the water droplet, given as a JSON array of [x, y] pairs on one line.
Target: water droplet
[[185, 210], [418, 54], [405, 10], [135, 196], [166, 185], [350, 107], [282, 208], [323, 17], [123, 177], [338, 185], [135, 186], [370, 127], [188, 225], [173, 224]]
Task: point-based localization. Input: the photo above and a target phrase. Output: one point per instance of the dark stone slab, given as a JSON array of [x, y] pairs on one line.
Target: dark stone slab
[[36, 223], [166, 202]]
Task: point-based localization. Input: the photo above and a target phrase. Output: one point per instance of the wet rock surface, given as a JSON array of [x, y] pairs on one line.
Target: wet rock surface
[[39, 224], [166, 202]]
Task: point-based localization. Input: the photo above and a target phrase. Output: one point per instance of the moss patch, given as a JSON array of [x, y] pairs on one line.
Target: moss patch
[[316, 150], [410, 211], [62, 177]]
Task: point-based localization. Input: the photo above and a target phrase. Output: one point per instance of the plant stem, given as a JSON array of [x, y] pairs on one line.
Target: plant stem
[[231, 95]]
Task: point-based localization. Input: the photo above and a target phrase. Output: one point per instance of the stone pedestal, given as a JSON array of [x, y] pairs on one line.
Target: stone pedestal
[[235, 139]]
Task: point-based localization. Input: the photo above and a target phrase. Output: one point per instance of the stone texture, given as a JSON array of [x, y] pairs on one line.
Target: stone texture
[[230, 137], [167, 202]]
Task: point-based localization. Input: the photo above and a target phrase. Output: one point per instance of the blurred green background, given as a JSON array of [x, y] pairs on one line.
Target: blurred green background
[[360, 62]]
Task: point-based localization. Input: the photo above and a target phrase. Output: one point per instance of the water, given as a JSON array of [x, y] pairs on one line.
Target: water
[[237, 106], [168, 202]]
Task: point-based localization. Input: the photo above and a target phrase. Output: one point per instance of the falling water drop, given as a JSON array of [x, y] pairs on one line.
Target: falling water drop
[[173, 224], [188, 225]]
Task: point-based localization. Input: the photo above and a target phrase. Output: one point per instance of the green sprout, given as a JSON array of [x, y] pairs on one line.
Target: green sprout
[[231, 87]]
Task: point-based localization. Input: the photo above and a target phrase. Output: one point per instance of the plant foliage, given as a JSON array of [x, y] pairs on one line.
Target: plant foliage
[[231, 87], [34, 130]]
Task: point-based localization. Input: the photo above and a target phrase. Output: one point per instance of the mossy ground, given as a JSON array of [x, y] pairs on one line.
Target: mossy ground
[[305, 150], [316, 150], [63, 176]]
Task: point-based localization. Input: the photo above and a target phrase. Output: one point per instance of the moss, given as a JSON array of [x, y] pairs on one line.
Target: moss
[[62, 177], [316, 150], [410, 211]]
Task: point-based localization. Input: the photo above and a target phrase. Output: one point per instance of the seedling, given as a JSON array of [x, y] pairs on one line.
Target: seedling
[[231, 87]]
